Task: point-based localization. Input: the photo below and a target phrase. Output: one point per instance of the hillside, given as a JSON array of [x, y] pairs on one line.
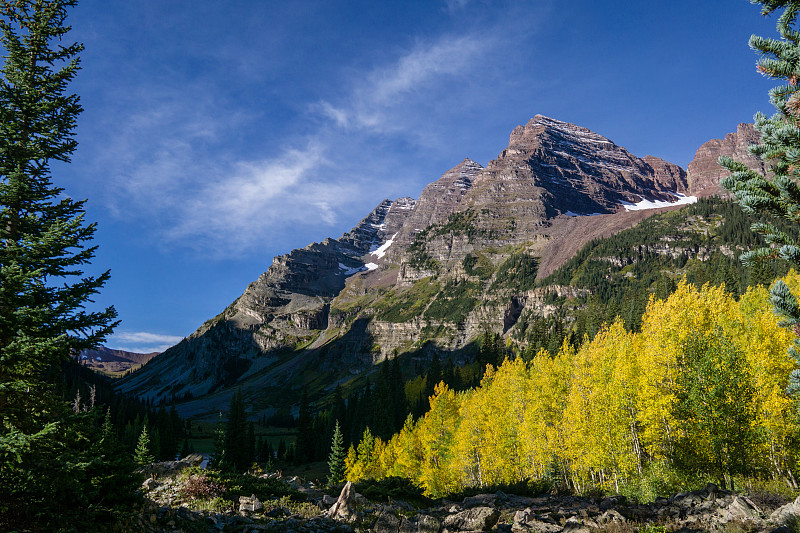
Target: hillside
[[114, 362], [429, 276]]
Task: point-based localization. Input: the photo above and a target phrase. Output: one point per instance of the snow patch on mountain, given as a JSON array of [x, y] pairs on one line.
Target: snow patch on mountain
[[349, 271], [380, 251], [682, 199]]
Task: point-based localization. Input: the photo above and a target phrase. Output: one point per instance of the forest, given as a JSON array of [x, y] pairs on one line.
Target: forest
[[697, 393]]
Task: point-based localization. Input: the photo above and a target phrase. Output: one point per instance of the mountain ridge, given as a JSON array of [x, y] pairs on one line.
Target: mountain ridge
[[325, 307]]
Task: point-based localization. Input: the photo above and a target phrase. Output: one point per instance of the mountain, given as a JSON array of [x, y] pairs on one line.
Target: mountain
[[552, 168], [705, 173], [113, 362], [415, 278]]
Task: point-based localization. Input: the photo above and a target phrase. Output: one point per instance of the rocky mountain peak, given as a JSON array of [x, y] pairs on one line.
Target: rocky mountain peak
[[530, 136], [552, 167], [705, 172], [311, 301]]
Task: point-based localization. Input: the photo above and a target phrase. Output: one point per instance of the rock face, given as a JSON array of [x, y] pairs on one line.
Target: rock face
[[318, 309], [704, 170], [552, 167], [286, 306], [440, 199]]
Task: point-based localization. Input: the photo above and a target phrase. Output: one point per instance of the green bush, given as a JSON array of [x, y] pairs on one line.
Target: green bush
[[245, 484], [393, 488]]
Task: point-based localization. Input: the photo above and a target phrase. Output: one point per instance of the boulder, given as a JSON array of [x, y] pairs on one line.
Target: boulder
[[420, 523], [743, 509], [169, 468], [479, 500], [785, 512], [345, 507], [612, 502], [574, 525], [611, 516], [250, 504], [149, 484], [386, 522], [527, 521], [475, 519]]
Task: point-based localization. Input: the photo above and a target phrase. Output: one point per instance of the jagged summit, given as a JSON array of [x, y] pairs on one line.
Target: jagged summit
[[522, 136], [705, 172], [318, 309], [439, 199], [552, 167]]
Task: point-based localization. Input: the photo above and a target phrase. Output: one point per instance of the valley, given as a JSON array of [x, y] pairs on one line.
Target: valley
[[479, 251]]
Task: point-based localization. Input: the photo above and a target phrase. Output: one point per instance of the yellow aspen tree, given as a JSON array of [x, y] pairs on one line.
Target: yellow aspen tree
[[436, 431], [352, 472], [599, 411], [667, 326], [471, 438], [407, 452], [507, 402], [765, 344], [543, 428]]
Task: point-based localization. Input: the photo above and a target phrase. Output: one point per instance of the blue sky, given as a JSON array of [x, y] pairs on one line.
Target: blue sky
[[217, 135]]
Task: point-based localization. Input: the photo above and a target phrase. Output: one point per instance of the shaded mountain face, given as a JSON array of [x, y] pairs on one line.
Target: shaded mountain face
[[110, 361], [431, 273], [705, 172]]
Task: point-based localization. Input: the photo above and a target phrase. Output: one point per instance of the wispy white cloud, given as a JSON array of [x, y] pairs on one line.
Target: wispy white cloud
[[374, 101], [171, 165], [249, 198], [142, 341]]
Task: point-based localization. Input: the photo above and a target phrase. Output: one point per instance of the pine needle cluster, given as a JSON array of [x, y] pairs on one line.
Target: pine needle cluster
[[780, 146]]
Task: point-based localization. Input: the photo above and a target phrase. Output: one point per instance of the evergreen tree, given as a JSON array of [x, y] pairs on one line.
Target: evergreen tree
[[304, 450], [44, 245], [238, 450], [143, 455], [185, 449], [282, 450], [780, 145], [336, 465], [218, 455], [108, 430]]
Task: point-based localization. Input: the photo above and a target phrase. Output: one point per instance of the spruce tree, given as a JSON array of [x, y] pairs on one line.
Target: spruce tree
[[143, 455], [304, 451], [218, 453], [238, 455], [780, 146], [44, 246], [336, 457], [43, 234]]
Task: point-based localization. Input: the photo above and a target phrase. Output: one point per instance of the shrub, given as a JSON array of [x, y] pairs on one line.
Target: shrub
[[201, 487]]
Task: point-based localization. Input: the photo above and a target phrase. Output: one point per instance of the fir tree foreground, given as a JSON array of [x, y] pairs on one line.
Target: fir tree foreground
[[54, 461], [780, 146]]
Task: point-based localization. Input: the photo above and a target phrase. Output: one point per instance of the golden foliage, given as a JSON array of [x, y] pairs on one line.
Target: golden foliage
[[597, 415]]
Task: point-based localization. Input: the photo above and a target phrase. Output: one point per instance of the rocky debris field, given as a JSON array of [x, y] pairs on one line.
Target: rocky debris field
[[171, 506]]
